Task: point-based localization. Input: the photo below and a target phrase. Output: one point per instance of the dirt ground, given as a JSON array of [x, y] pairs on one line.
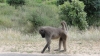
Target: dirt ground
[[73, 47]]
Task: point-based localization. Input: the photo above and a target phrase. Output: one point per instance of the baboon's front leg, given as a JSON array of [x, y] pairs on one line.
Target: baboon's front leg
[[44, 48], [49, 48], [47, 45]]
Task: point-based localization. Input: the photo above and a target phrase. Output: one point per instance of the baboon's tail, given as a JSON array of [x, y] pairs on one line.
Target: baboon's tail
[[64, 25]]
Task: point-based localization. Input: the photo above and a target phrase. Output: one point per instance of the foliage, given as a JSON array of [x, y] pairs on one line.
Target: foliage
[[2, 1], [16, 2], [73, 13], [43, 15], [50, 2], [30, 16], [92, 7], [5, 13], [5, 22], [36, 13], [93, 11], [36, 20], [60, 2]]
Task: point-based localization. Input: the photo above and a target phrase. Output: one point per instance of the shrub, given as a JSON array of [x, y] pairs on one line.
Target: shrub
[[2, 1], [5, 22], [93, 11], [36, 20], [43, 15], [73, 13], [16, 2], [6, 10], [60, 2], [51, 2]]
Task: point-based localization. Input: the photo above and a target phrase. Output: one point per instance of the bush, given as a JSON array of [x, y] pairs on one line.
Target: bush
[[51, 2], [16, 2], [43, 15], [5, 22], [93, 11], [36, 20], [73, 13], [6, 10], [60, 2], [5, 15], [2, 1]]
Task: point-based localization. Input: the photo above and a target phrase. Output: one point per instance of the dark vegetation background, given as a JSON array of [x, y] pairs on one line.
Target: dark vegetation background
[[28, 15]]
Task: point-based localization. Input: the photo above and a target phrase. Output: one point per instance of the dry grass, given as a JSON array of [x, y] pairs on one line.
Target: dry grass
[[79, 42]]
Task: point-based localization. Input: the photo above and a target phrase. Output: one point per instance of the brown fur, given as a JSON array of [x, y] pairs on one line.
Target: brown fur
[[49, 33]]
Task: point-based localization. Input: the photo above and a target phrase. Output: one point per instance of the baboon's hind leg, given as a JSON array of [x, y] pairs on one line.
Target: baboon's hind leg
[[60, 40], [64, 45]]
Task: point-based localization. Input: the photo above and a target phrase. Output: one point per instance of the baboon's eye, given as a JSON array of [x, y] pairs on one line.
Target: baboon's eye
[[42, 31]]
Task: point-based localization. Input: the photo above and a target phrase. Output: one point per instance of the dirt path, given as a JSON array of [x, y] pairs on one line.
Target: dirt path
[[73, 47]]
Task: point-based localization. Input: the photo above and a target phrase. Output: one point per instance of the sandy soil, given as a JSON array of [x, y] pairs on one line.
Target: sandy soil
[[73, 47]]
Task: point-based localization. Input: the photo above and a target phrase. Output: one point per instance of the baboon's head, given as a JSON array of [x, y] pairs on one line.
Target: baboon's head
[[42, 32]]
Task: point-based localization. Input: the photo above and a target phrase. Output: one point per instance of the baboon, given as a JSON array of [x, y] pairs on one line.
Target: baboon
[[49, 33]]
